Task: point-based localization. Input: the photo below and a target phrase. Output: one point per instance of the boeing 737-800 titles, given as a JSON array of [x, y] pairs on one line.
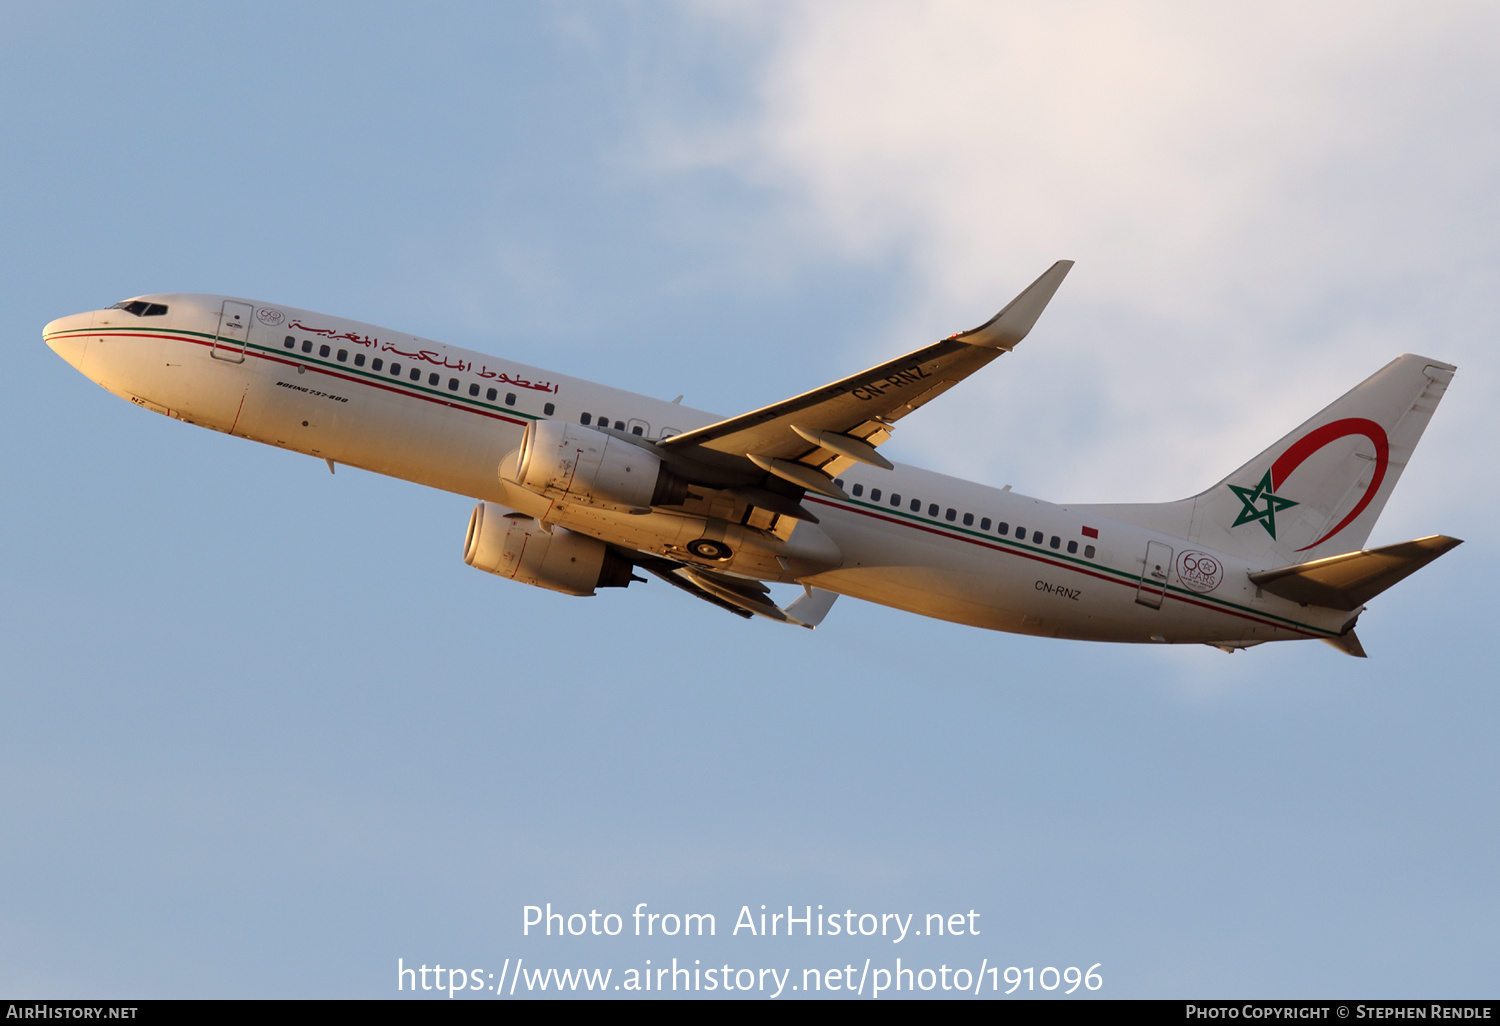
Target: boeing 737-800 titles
[[580, 485]]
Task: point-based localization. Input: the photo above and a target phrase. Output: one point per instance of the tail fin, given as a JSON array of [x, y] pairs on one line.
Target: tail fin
[[1318, 491]]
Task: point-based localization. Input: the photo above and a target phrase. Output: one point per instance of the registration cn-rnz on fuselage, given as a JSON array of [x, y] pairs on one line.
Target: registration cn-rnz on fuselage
[[581, 485]]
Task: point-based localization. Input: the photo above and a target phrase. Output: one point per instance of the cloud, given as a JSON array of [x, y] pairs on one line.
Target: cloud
[[1266, 205]]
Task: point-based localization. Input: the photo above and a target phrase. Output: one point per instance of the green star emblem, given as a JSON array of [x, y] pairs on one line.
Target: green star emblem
[[1251, 497]]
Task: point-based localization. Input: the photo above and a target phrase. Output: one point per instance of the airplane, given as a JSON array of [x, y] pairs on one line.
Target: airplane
[[580, 485]]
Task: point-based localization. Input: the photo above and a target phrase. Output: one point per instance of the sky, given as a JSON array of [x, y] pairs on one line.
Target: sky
[[264, 733]]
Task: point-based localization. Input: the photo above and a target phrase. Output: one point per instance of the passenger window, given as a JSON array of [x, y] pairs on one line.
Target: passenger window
[[1002, 528], [838, 482], [1088, 552], [359, 359], [984, 525], [290, 342], [474, 389], [307, 345], [895, 499], [1036, 537], [619, 424], [323, 350], [874, 494], [1021, 533], [968, 520], [416, 374], [1072, 547], [916, 505], [859, 489], [1055, 542], [453, 384], [433, 379], [951, 515], [395, 370], [584, 418], [933, 510], [550, 409], [343, 356], [637, 430], [377, 364], [510, 398], [490, 395]]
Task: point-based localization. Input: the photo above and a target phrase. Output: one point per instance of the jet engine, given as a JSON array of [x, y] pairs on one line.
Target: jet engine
[[514, 545], [572, 463]]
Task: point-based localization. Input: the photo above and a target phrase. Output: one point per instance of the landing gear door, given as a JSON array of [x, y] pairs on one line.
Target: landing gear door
[[1154, 573], [234, 332]]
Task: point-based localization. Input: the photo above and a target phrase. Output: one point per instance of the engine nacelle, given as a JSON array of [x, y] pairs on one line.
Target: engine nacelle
[[514, 545], [572, 463]]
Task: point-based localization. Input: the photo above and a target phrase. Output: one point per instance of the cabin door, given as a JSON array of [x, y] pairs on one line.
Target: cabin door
[[234, 332]]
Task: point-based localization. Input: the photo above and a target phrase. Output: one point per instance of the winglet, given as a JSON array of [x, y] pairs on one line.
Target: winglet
[[1348, 643], [809, 610], [1010, 325]]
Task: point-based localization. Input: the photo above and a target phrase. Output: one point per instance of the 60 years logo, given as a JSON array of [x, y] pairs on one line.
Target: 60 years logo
[[1198, 571]]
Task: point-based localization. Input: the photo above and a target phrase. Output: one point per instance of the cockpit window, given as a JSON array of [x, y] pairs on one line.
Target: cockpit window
[[141, 308]]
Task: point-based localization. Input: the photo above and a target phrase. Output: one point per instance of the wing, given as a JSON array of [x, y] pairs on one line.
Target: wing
[[811, 438]]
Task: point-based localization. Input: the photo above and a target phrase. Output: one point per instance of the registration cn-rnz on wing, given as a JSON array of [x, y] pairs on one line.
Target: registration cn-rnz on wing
[[582, 486]]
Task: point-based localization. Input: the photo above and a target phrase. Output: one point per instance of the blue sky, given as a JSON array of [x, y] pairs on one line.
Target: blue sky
[[265, 733]]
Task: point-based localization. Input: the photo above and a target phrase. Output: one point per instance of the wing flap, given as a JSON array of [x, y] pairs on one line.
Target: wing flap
[[857, 449], [738, 595]]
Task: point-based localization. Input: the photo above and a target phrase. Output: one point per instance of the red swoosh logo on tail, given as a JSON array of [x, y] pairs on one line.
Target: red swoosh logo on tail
[[1316, 439]]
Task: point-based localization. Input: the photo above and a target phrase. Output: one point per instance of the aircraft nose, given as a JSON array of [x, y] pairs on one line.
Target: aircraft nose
[[64, 338]]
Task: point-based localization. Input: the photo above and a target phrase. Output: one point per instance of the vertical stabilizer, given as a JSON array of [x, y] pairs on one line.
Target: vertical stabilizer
[[1318, 491]]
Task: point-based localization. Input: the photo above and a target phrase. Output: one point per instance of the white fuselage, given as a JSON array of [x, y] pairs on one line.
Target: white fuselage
[[346, 392]]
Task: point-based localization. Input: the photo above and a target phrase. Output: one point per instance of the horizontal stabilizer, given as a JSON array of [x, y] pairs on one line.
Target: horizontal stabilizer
[[1352, 579]]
